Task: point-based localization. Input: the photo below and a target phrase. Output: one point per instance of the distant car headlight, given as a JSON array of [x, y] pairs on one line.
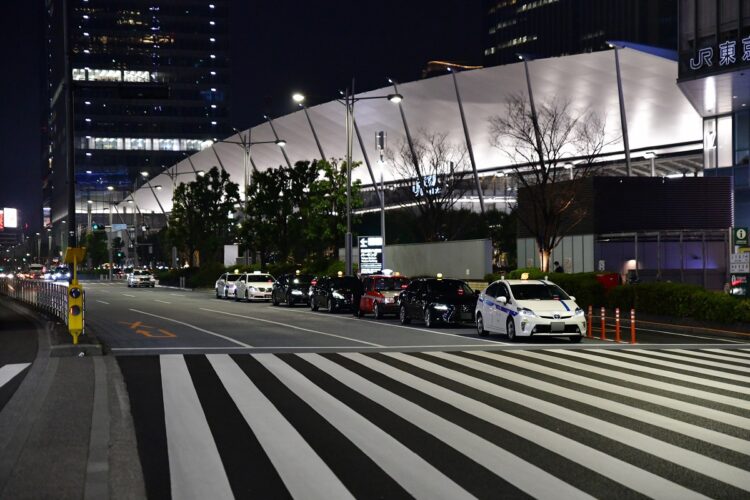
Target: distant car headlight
[[440, 307], [297, 292], [526, 312], [337, 295], [579, 311]]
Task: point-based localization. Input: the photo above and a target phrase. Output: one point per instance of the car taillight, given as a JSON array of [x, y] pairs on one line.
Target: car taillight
[[460, 291], [314, 282]]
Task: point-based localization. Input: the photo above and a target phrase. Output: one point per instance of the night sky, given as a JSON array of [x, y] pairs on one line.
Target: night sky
[[277, 48]]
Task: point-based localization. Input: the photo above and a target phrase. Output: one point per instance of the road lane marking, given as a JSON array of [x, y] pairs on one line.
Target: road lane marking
[[141, 329], [162, 301], [101, 301], [301, 469], [177, 294], [228, 339], [128, 295], [609, 466], [301, 311], [195, 466], [293, 327], [7, 372], [412, 472], [522, 474]]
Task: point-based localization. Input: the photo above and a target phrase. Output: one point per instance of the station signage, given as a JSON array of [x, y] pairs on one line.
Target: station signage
[[722, 56], [739, 263], [370, 254], [740, 236]]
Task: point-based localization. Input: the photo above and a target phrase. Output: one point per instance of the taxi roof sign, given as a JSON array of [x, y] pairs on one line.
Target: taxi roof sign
[[74, 255], [525, 276]]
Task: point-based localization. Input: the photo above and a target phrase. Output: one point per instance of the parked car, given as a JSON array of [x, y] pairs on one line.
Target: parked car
[[225, 285], [335, 293], [437, 300], [380, 294], [292, 288], [526, 308], [254, 286], [141, 278]]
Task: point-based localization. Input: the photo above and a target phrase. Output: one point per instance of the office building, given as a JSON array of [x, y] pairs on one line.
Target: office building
[[548, 28], [714, 74], [150, 84]]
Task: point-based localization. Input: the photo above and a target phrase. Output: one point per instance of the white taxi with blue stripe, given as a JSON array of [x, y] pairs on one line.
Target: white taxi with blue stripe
[[529, 308]]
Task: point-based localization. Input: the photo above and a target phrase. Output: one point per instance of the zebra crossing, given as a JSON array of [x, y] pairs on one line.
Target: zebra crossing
[[546, 423]]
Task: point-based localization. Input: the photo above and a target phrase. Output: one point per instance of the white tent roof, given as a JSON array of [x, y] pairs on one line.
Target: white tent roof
[[657, 112]]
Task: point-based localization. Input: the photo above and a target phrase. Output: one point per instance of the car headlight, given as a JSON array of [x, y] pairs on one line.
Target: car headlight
[[253, 289], [337, 295], [440, 307], [579, 311], [297, 292], [524, 311]]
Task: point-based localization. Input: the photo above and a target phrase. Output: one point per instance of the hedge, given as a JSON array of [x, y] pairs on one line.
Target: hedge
[[583, 286]]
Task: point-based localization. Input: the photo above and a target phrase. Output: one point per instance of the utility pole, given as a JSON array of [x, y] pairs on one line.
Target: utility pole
[[69, 131]]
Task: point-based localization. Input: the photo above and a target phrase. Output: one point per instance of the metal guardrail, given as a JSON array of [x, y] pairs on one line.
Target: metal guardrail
[[47, 296]]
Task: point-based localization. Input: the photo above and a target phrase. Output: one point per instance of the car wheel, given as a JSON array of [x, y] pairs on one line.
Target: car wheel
[[377, 310], [575, 339], [217, 293], [428, 321], [274, 300], [247, 298], [289, 300], [313, 304], [510, 329], [236, 297], [403, 316], [331, 306], [480, 326]]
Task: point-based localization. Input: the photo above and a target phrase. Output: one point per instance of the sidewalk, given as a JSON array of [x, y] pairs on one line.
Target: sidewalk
[[67, 432]]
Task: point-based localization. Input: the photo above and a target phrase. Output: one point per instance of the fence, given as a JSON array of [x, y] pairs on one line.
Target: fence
[[46, 296]]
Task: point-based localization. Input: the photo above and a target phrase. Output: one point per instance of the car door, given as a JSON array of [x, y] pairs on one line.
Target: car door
[[418, 300], [503, 310], [488, 309], [220, 286], [365, 302], [321, 292], [279, 289]]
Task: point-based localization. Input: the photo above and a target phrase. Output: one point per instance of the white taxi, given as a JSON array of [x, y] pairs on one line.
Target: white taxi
[[254, 286], [529, 308]]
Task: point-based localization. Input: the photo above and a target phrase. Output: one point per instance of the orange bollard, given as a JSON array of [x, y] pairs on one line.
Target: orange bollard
[[617, 325], [604, 318], [589, 334], [632, 326]]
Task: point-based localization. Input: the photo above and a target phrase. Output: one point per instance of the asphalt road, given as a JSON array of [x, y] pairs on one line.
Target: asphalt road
[[166, 320]]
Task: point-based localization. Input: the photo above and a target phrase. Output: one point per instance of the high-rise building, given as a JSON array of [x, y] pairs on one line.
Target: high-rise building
[[714, 74], [150, 81], [548, 28]]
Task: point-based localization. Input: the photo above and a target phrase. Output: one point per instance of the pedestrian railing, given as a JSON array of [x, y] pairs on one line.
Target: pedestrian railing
[[46, 296]]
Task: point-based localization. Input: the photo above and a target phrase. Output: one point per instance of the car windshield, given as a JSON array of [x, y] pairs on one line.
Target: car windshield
[[345, 282], [449, 287], [233, 277], [141, 273], [538, 291], [258, 278], [385, 284], [302, 279]]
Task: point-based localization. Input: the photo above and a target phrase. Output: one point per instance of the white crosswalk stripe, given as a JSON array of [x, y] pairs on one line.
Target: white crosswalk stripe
[[548, 423], [9, 372]]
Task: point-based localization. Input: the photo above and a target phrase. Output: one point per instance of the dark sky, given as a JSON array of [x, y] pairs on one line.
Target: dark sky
[[278, 47]]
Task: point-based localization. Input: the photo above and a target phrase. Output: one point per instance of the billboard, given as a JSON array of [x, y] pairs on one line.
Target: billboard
[[8, 218], [370, 254]]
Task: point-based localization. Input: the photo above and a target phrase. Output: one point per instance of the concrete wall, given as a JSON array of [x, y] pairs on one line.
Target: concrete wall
[[575, 253], [465, 259]]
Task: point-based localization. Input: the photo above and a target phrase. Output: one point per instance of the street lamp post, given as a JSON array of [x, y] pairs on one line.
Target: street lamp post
[[245, 143]]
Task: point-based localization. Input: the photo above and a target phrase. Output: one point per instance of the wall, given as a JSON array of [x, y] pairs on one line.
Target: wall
[[465, 259], [575, 253]]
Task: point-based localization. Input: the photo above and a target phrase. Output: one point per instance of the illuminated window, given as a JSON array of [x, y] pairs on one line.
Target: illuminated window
[[138, 144], [135, 76], [79, 74], [105, 75]]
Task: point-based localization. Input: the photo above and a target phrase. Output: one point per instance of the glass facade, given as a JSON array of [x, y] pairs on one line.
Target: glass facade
[[548, 28], [150, 82]]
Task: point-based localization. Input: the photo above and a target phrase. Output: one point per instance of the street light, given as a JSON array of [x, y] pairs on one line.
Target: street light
[[349, 100]]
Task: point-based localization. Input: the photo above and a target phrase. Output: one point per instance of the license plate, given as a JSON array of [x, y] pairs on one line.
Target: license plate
[[557, 326]]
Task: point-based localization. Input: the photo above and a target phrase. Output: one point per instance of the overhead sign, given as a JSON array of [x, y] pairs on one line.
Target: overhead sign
[[724, 55], [739, 263], [740, 236], [370, 254], [8, 218]]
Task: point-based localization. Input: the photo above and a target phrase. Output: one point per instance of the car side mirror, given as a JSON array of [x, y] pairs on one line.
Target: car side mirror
[[502, 300], [572, 298], [478, 292]]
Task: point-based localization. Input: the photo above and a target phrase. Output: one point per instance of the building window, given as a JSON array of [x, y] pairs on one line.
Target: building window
[[105, 75], [79, 74], [135, 76]]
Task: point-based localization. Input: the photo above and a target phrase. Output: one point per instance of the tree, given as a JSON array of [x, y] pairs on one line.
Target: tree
[[547, 189], [96, 248], [440, 169], [200, 219]]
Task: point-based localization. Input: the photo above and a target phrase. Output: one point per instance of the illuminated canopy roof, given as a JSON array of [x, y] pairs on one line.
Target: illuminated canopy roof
[[659, 117]]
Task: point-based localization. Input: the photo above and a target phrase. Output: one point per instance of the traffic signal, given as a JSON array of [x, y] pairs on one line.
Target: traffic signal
[[75, 310], [96, 227]]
